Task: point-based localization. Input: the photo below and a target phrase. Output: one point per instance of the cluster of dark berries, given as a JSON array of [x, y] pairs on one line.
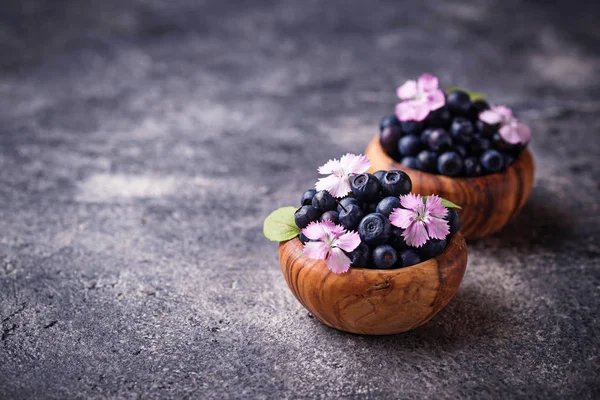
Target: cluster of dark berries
[[367, 210], [451, 141]]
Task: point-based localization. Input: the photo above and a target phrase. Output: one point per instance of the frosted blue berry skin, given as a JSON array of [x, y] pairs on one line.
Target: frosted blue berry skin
[[361, 256], [385, 257], [389, 138], [305, 215], [491, 161], [350, 217], [432, 248], [365, 187], [332, 216], [379, 174], [439, 140], [387, 205], [396, 183], [412, 127], [409, 145], [458, 103], [388, 121], [411, 162], [374, 229], [409, 257], [345, 202], [439, 118], [324, 201], [307, 196], [428, 160], [450, 164], [461, 130], [397, 240]]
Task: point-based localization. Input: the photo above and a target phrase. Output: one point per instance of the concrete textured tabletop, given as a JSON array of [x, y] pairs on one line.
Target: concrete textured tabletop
[[142, 143]]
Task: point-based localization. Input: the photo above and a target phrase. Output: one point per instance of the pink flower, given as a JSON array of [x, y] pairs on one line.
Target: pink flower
[[338, 182], [419, 98], [512, 130], [420, 221], [330, 242]]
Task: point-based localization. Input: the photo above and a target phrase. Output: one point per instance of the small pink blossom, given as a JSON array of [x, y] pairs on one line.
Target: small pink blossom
[[420, 220], [511, 129], [419, 98], [338, 182], [329, 241]]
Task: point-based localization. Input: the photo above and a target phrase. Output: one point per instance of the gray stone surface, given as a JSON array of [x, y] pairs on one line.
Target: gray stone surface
[[143, 142]]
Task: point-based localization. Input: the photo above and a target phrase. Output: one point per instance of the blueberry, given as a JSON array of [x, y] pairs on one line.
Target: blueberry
[[484, 128], [478, 145], [491, 161], [453, 220], [439, 118], [428, 160], [409, 257], [388, 121], [477, 107], [439, 140], [409, 145], [303, 238], [350, 217], [450, 163], [411, 162], [369, 208], [389, 139], [361, 256], [305, 215], [324, 201], [500, 144], [365, 187], [509, 159], [412, 127], [461, 130], [472, 166], [432, 248], [307, 196], [424, 136], [397, 240], [345, 202], [374, 229], [461, 150], [380, 174], [332, 216], [385, 257], [396, 183], [387, 205], [458, 103]]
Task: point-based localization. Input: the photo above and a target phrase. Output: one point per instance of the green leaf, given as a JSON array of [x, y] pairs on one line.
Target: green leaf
[[280, 226], [445, 203], [472, 95]]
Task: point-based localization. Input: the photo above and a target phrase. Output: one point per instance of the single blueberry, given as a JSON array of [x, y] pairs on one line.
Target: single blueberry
[[396, 183], [409, 145], [439, 118], [461, 130], [458, 103], [396, 239], [324, 201], [411, 162], [360, 257], [432, 248], [387, 205], [412, 127], [389, 138], [388, 121], [350, 217], [332, 216], [450, 164], [472, 167], [380, 174], [409, 257], [374, 229], [428, 160], [365, 187], [345, 202], [439, 140], [453, 220], [305, 215], [307, 196], [491, 161], [385, 257]]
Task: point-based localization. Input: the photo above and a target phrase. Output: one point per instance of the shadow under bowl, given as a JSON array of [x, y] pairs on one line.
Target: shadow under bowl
[[374, 301], [488, 202]]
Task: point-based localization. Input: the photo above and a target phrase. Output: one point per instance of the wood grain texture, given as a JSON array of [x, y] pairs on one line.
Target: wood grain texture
[[372, 301], [488, 202]]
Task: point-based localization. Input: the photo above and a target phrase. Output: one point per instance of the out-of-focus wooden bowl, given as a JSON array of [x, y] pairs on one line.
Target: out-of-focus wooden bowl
[[488, 202], [374, 301]]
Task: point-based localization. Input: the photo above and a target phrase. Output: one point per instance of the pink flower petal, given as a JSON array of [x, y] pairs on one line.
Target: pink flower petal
[[337, 261], [435, 207], [510, 134], [524, 132], [435, 99], [314, 231], [504, 112], [415, 235], [408, 90], [355, 164], [411, 201], [427, 83], [348, 241], [490, 117], [412, 110], [437, 228], [316, 250], [337, 186], [330, 167], [402, 218]]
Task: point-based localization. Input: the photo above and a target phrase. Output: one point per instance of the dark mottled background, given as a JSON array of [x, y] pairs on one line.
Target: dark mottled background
[[143, 142]]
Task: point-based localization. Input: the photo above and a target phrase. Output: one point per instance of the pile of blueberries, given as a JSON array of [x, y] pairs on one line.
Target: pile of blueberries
[[367, 210], [451, 141]]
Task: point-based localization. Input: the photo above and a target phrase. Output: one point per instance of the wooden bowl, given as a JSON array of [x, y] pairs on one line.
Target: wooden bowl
[[488, 202], [374, 301]]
